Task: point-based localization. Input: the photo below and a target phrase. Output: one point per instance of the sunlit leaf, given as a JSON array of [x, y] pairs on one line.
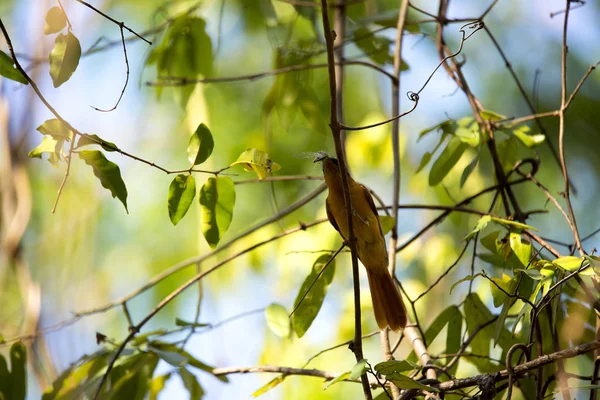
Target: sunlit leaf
[[491, 115], [157, 385], [50, 146], [307, 311], [268, 386], [359, 369], [468, 131], [200, 146], [569, 263], [88, 139], [476, 315], [510, 223], [521, 132], [217, 199], [107, 172], [56, 20], [506, 283], [173, 357], [521, 249], [278, 320], [257, 161], [424, 161], [387, 223], [532, 273], [446, 160], [341, 377], [56, 128], [448, 126], [481, 224], [468, 170], [8, 70], [181, 194], [64, 58]]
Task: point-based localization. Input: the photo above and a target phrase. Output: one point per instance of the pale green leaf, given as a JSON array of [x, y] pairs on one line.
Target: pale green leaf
[[521, 132], [56, 20], [481, 224], [569, 263], [278, 320], [468, 170], [341, 377], [387, 223], [257, 161], [56, 128], [491, 115], [157, 385], [359, 369], [217, 199], [396, 366], [467, 278], [181, 194], [107, 172], [190, 382], [532, 273], [64, 58], [268, 386], [180, 322], [50, 146]]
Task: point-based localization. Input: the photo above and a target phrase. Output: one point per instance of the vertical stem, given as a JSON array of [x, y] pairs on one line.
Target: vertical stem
[[385, 340], [561, 128], [339, 26], [336, 132]]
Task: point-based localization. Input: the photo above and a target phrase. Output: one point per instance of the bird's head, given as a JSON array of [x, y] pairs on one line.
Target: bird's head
[[331, 165]]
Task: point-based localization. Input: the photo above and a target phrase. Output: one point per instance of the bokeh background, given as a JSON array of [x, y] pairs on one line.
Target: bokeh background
[[91, 252]]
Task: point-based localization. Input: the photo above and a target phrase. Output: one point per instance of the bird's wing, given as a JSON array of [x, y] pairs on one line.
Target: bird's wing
[[371, 203], [331, 219]]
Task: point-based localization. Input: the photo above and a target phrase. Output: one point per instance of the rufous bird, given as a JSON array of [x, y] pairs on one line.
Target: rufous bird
[[370, 243]]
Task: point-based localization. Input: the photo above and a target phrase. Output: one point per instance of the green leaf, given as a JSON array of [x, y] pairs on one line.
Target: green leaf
[[200, 146], [521, 132], [157, 385], [257, 161], [55, 20], [532, 273], [268, 386], [181, 194], [395, 366], [341, 377], [387, 223], [64, 58], [521, 249], [468, 170], [108, 173], [476, 314], [359, 369], [18, 373], [505, 282], [444, 163], [404, 382], [507, 153], [180, 322], [8, 70], [217, 199], [56, 128], [278, 320], [173, 357], [449, 126], [375, 47], [131, 379], [569, 263], [190, 382], [4, 379], [307, 311], [309, 104], [50, 146], [491, 115], [468, 131], [424, 161], [89, 139], [467, 278], [481, 224], [509, 223]]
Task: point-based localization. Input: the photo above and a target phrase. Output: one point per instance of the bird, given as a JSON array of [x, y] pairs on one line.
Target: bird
[[371, 249]]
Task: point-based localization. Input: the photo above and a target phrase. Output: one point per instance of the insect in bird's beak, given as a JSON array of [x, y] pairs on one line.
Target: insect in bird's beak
[[320, 156]]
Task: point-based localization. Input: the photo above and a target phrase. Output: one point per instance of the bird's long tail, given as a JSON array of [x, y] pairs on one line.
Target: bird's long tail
[[387, 304]]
